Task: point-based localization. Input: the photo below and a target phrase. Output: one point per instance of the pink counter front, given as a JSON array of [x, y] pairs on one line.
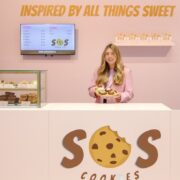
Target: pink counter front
[[55, 142]]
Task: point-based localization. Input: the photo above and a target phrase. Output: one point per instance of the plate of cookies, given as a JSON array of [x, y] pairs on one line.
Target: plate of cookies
[[101, 91]]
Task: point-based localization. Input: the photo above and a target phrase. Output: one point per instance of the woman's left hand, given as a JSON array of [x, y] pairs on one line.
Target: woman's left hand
[[118, 99]]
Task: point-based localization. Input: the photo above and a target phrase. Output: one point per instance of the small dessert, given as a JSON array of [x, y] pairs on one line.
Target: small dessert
[[16, 100], [9, 85], [110, 91], [3, 97], [101, 91], [106, 92], [32, 85], [10, 97], [23, 84], [23, 97], [32, 97], [9, 93]]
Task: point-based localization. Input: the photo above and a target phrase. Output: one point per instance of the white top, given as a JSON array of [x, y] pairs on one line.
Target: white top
[[110, 80]]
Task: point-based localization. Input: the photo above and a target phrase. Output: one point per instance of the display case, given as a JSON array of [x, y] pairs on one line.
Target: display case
[[22, 88]]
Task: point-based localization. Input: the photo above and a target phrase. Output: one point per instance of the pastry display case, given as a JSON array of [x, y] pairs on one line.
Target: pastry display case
[[22, 88]]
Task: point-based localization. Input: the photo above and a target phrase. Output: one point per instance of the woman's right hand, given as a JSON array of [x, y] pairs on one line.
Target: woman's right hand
[[96, 95]]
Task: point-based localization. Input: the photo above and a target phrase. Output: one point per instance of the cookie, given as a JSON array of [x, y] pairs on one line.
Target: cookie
[[32, 97], [106, 92], [101, 91], [108, 149], [23, 97], [111, 92]]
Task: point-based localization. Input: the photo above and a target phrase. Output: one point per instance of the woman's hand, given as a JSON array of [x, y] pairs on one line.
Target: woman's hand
[[100, 85], [118, 99], [97, 96]]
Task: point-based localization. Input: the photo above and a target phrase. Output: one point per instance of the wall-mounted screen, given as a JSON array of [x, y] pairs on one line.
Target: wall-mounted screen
[[47, 39]]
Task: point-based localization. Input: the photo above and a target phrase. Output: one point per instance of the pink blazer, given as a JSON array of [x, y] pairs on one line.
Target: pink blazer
[[126, 89]]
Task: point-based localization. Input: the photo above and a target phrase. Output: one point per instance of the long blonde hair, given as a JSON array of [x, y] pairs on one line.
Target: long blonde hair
[[104, 69]]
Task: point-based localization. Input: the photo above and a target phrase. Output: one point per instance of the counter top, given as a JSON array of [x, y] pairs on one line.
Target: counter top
[[94, 107]]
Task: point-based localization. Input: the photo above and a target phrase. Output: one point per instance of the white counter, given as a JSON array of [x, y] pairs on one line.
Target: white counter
[[94, 107], [32, 141], [108, 107]]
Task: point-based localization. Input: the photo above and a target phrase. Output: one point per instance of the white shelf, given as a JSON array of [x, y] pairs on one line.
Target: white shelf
[[144, 43]]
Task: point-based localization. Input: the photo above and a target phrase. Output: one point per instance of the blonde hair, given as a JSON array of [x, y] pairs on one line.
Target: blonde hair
[[104, 69]]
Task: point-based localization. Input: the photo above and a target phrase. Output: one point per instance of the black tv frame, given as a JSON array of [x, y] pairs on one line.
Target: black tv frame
[[49, 52]]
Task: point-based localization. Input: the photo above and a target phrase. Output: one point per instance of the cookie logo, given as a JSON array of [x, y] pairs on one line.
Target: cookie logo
[[108, 149]]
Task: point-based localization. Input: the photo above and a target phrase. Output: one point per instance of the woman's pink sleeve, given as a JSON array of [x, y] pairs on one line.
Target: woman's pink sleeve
[[92, 86], [128, 94]]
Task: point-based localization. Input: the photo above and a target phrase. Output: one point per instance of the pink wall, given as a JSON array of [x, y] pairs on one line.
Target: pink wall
[[155, 70]]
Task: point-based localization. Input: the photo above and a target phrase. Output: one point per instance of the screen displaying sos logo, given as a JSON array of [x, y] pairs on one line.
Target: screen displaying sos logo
[[59, 42]]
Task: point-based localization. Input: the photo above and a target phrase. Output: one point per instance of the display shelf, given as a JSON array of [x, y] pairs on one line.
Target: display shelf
[[21, 88], [18, 105], [144, 43]]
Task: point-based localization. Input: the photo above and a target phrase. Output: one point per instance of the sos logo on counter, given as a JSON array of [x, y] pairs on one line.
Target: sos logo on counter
[[109, 150]]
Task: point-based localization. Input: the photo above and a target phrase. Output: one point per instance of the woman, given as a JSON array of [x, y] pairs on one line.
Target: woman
[[112, 76]]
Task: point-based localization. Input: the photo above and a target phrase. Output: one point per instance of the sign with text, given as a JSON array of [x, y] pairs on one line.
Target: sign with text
[[109, 145], [94, 10]]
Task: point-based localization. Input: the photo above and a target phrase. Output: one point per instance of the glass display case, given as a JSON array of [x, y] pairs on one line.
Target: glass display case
[[22, 88]]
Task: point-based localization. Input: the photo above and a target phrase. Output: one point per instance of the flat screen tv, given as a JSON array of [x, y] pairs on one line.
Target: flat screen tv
[[47, 39]]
